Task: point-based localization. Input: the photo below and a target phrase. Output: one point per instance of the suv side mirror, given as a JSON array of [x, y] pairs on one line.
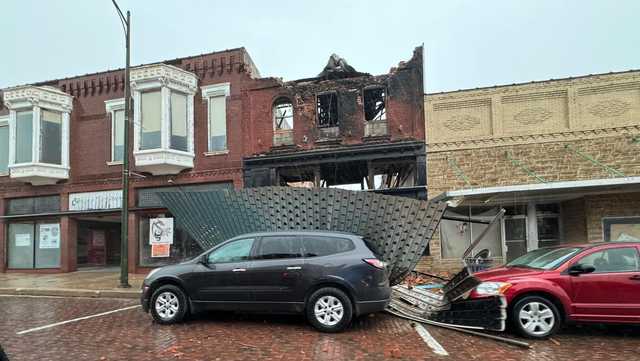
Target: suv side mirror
[[204, 260], [578, 269]]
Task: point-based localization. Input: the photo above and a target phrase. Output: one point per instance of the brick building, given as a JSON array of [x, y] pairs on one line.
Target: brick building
[[198, 123], [561, 156]]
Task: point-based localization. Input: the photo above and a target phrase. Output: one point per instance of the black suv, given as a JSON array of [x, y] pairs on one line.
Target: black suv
[[328, 276]]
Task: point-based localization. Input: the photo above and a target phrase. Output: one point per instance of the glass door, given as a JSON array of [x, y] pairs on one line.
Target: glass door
[[515, 236]]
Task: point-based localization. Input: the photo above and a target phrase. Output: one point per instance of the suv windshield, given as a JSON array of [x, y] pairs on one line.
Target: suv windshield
[[545, 258]]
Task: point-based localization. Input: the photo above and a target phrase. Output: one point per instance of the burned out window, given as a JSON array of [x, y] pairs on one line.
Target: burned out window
[[282, 114], [327, 110], [375, 101]]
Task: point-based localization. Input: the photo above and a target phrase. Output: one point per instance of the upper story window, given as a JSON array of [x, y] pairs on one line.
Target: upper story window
[[216, 97], [115, 109], [282, 114], [327, 110], [4, 146], [163, 118], [375, 100], [38, 133]]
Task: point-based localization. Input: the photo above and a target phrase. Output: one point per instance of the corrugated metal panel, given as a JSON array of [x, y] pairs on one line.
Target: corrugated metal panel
[[400, 228], [147, 197]]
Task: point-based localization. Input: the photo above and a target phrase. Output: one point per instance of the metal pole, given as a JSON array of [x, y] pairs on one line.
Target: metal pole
[[124, 236]]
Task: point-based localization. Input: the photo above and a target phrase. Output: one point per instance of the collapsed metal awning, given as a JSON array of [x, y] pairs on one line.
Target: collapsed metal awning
[[399, 228], [539, 192]]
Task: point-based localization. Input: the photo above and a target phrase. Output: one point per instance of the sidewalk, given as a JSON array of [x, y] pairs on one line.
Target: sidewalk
[[84, 283]]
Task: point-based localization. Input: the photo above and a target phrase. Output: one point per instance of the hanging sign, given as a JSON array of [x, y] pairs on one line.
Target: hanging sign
[[95, 200], [23, 240], [160, 250], [49, 236], [160, 231]]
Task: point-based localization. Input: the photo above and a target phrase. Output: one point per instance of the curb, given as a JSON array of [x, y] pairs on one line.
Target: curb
[[70, 292]]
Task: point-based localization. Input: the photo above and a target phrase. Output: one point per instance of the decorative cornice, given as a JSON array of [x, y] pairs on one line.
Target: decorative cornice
[[545, 85], [533, 138], [166, 75], [45, 96]]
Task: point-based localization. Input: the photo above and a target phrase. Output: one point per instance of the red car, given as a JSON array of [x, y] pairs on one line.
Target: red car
[[545, 288]]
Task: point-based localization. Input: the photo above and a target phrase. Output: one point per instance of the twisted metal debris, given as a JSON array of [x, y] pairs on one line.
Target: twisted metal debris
[[399, 228]]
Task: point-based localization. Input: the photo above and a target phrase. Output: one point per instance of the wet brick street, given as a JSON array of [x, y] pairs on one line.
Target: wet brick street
[[130, 335]]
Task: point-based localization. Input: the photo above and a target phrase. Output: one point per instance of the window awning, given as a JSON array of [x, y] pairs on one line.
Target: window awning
[[539, 192]]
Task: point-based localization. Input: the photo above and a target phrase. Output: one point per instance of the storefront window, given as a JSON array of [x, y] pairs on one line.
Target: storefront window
[[548, 223], [34, 245], [184, 247], [621, 229], [456, 236], [151, 125]]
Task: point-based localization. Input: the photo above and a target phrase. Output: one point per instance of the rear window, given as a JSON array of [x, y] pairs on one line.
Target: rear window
[[318, 246], [373, 248]]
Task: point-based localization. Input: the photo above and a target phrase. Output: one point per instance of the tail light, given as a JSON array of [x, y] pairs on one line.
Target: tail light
[[375, 263]]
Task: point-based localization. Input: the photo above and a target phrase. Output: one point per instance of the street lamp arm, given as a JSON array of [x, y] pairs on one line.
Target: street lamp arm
[[122, 18]]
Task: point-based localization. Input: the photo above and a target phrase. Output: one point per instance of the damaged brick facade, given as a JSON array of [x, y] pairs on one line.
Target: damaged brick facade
[[316, 129]]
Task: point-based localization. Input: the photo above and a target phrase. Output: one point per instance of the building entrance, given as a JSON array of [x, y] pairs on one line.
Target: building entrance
[[98, 242]]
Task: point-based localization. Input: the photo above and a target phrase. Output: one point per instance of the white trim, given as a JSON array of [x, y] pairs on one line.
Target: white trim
[[214, 91], [591, 183], [112, 106], [4, 122], [433, 344], [220, 152]]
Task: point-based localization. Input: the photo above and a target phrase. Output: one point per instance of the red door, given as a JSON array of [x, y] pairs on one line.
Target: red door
[[612, 292]]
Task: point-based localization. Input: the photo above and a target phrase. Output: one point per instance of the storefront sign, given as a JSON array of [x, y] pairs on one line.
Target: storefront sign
[[95, 200], [160, 250], [49, 236], [23, 240], [160, 231]]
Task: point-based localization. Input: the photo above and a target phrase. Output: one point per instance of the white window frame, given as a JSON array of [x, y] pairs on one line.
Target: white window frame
[[213, 91], [112, 106], [165, 78], [34, 98], [4, 122]]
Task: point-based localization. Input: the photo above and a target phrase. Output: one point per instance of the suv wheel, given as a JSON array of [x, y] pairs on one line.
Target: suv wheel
[[536, 317], [168, 304], [329, 309]]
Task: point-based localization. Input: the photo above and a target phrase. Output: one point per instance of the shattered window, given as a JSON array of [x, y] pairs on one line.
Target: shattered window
[[327, 110], [283, 114], [375, 104]]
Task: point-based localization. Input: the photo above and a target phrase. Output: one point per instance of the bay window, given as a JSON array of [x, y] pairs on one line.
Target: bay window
[[38, 134], [216, 98], [163, 118]]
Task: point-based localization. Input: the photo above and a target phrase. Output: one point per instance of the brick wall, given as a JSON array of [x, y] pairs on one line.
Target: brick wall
[[476, 138]]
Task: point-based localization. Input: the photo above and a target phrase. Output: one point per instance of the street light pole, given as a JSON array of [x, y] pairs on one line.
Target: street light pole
[[124, 235]]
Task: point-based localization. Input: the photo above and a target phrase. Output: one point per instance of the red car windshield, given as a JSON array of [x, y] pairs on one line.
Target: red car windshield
[[545, 258]]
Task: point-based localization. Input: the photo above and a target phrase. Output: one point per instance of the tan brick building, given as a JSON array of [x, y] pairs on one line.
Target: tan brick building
[[573, 146]]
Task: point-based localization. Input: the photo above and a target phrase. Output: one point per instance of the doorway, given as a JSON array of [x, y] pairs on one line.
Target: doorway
[[98, 242]]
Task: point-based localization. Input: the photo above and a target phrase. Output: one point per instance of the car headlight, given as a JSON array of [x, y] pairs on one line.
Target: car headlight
[[152, 272], [492, 288]]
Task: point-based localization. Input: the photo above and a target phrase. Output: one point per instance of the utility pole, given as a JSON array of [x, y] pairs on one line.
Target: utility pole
[[124, 235]]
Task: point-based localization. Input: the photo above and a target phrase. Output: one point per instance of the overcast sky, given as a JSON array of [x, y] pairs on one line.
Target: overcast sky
[[467, 43]]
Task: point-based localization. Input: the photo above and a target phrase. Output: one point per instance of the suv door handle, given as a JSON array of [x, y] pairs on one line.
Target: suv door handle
[[293, 268], [635, 277], [239, 269]]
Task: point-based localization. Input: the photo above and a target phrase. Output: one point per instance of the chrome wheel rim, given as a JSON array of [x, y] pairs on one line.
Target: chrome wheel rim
[[328, 310], [536, 318], [167, 305]]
